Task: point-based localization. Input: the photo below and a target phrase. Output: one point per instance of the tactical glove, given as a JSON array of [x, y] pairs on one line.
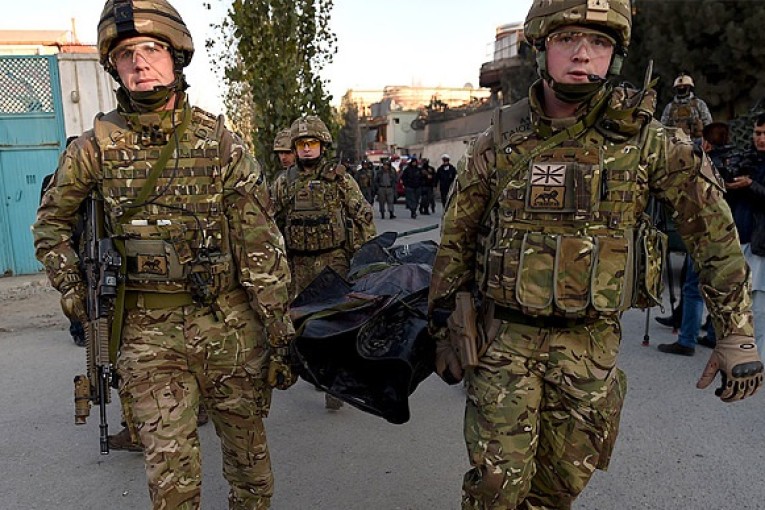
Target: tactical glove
[[280, 332], [73, 296], [448, 365], [736, 358], [280, 374]]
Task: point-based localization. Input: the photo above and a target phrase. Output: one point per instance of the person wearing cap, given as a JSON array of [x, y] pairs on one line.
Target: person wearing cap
[[365, 178], [201, 310], [283, 151], [445, 175], [686, 111], [547, 226], [386, 180], [427, 185]]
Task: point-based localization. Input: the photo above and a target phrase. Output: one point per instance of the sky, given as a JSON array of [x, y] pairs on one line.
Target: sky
[[392, 42]]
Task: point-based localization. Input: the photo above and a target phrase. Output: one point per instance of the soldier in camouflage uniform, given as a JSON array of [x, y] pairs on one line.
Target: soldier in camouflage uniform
[[547, 227], [686, 111], [365, 178], [320, 210], [204, 263], [283, 150]]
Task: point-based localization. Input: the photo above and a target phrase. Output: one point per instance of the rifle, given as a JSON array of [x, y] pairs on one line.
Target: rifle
[[414, 231], [101, 263]]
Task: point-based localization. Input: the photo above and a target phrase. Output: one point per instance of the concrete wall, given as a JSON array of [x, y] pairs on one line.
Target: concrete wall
[[456, 128], [455, 148], [86, 89], [400, 132]]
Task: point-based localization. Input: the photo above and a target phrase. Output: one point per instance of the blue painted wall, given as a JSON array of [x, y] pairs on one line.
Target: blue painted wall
[[31, 139]]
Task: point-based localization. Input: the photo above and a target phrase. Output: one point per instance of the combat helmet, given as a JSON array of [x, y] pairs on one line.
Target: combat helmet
[[155, 18], [283, 141], [683, 80], [612, 17], [310, 126]]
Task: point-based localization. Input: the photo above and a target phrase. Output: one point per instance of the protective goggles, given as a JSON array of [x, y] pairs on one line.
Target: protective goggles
[[598, 45], [307, 143], [150, 51]]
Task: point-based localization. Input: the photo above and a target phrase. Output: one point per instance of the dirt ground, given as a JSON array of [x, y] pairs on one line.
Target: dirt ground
[[29, 302]]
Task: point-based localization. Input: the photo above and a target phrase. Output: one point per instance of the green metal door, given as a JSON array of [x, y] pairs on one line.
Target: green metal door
[[31, 138]]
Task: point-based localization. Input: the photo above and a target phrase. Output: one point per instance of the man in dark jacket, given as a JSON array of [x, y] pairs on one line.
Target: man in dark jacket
[[445, 177], [427, 198], [411, 177], [747, 188]]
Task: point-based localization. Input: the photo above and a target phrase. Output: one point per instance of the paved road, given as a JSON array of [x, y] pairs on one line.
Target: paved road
[[679, 448]]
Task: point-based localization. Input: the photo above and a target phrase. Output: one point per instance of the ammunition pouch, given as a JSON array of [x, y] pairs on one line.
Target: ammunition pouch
[[315, 232]]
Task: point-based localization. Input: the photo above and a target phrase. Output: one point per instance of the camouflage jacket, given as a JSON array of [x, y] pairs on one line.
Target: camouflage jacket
[[690, 114], [664, 164], [257, 247], [348, 198]]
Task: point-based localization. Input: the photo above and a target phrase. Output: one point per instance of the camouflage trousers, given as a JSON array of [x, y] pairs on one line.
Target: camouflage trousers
[[305, 268], [542, 414], [173, 358]]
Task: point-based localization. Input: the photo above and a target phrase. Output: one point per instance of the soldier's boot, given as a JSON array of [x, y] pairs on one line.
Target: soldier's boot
[[382, 215], [332, 403], [123, 442], [202, 417], [392, 216]]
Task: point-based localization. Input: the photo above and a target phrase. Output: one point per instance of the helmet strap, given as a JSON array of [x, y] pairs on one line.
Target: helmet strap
[[304, 163], [580, 92]]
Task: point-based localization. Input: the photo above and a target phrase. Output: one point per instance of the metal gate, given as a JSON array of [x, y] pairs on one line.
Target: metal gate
[[31, 138]]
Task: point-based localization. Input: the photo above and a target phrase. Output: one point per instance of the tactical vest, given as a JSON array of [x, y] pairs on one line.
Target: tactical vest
[[685, 115], [177, 241], [567, 237], [315, 221]]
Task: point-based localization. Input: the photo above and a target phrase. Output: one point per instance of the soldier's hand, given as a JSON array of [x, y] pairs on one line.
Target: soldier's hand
[[73, 296], [280, 332], [280, 374], [448, 365], [736, 359]]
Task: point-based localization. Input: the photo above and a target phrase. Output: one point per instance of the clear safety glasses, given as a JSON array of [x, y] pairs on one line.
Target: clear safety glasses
[[571, 42], [149, 51]]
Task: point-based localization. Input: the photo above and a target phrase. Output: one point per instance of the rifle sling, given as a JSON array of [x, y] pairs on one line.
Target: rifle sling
[[157, 169]]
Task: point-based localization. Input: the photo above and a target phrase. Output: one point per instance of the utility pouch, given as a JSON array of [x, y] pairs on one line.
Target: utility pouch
[[175, 235], [150, 257], [534, 289], [610, 274], [573, 269], [463, 329], [651, 244]]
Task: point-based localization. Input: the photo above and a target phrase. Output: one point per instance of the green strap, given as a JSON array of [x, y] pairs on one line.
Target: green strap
[[119, 305], [569, 133], [156, 171], [151, 180]]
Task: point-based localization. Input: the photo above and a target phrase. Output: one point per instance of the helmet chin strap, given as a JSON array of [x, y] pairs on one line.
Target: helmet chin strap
[[303, 163], [577, 93], [150, 100]]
